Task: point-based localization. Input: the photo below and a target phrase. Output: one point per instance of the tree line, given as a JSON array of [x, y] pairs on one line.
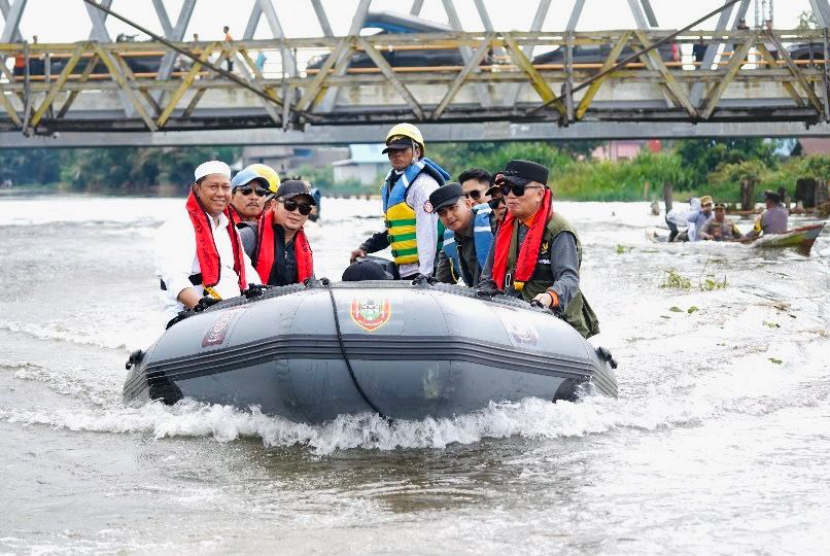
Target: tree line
[[693, 167]]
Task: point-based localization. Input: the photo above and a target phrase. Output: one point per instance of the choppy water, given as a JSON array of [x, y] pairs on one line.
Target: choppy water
[[719, 442]]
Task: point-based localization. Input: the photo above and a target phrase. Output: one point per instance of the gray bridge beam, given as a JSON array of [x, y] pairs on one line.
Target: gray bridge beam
[[434, 133], [12, 16]]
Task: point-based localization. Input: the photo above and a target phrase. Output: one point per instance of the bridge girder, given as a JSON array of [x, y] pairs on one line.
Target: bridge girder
[[758, 89]]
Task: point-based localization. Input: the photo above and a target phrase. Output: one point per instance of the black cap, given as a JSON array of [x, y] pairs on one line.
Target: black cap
[[292, 188], [522, 172], [365, 270], [772, 196], [445, 195], [399, 143]]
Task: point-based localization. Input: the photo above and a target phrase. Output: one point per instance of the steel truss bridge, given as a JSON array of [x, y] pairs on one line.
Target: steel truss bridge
[[743, 82]]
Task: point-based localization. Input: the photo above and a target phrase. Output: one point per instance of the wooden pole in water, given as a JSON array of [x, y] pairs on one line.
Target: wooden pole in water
[[747, 194], [667, 195]]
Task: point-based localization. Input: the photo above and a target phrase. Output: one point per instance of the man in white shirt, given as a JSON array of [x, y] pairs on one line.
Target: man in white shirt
[[411, 227], [198, 251]]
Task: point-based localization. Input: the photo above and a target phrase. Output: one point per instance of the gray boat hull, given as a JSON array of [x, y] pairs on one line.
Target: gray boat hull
[[415, 351]]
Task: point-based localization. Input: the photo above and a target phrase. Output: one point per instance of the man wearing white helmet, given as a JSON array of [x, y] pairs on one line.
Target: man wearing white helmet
[[198, 250], [411, 227]]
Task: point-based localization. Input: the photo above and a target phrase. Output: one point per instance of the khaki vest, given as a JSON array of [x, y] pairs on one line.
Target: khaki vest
[[578, 313]]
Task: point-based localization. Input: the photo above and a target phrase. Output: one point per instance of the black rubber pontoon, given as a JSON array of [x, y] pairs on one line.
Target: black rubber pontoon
[[411, 351]]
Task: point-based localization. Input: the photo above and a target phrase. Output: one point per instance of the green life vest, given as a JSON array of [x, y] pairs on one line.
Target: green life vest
[[578, 313]]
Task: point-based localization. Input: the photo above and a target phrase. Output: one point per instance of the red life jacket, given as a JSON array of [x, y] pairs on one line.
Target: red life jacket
[[528, 255], [265, 250], [206, 248]]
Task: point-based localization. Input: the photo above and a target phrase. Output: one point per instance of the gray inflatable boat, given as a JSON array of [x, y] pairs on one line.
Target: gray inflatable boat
[[407, 351]]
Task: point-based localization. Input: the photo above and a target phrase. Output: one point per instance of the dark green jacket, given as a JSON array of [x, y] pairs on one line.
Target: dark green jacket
[[577, 312]]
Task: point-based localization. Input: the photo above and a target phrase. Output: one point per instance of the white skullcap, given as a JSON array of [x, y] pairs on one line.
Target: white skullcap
[[212, 167]]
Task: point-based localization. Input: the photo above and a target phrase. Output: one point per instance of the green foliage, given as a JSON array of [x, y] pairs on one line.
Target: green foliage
[[807, 20], [622, 249], [701, 157], [675, 281], [692, 309], [775, 361], [709, 283], [123, 170], [457, 157]]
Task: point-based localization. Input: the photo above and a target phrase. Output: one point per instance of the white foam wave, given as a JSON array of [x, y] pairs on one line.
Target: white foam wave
[[531, 419]]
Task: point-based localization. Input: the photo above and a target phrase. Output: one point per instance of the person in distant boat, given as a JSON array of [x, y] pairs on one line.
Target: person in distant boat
[[279, 247], [697, 219], [720, 228], [198, 252], [411, 226], [537, 253], [467, 235], [774, 220]]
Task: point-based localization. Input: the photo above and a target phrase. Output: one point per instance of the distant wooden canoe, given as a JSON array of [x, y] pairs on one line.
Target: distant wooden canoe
[[802, 239]]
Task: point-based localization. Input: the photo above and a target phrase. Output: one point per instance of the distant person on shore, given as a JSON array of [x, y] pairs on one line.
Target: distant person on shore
[[467, 235], [228, 38], [696, 219], [720, 228], [198, 250], [774, 220], [279, 246], [411, 226], [537, 253]]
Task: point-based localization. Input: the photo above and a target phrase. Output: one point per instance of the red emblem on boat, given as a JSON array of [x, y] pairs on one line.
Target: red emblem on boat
[[219, 331], [371, 313]]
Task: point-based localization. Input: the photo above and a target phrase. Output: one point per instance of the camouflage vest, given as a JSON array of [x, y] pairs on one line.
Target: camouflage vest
[[578, 313]]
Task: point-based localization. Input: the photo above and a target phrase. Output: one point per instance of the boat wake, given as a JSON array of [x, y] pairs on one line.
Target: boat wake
[[532, 419]]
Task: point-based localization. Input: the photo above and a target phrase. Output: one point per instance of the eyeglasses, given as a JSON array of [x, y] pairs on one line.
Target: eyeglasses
[[248, 190], [291, 206], [475, 194], [494, 203], [518, 190]]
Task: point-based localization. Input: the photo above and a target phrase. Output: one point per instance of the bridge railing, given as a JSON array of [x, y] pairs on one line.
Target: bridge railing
[[757, 74]]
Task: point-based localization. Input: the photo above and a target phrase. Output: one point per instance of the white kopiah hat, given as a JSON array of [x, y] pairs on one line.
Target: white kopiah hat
[[212, 167]]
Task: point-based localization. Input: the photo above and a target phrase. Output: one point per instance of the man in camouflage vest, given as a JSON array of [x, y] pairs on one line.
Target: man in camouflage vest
[[537, 253]]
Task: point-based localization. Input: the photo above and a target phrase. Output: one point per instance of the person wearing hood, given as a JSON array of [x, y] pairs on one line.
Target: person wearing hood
[[411, 229], [537, 253], [198, 252], [279, 246]]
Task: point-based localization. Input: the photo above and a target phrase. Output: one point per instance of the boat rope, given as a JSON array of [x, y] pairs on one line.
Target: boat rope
[[346, 357]]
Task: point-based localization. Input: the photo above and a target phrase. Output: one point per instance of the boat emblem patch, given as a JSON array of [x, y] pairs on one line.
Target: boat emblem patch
[[219, 331], [371, 313]]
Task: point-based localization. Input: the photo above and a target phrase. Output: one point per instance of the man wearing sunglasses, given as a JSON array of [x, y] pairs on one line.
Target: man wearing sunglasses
[[249, 192], [467, 235], [475, 183], [498, 204], [537, 253], [411, 226], [279, 247]]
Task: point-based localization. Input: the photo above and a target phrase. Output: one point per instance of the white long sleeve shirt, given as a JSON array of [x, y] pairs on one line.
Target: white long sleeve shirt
[[176, 260], [426, 226]]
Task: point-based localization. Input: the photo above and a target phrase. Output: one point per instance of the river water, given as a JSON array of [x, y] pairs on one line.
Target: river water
[[718, 444]]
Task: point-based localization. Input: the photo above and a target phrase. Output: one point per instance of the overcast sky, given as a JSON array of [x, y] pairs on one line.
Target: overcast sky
[[67, 20]]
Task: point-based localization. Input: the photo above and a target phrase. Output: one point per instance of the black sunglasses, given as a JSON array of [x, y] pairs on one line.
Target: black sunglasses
[[494, 203], [475, 194], [291, 206], [248, 190]]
